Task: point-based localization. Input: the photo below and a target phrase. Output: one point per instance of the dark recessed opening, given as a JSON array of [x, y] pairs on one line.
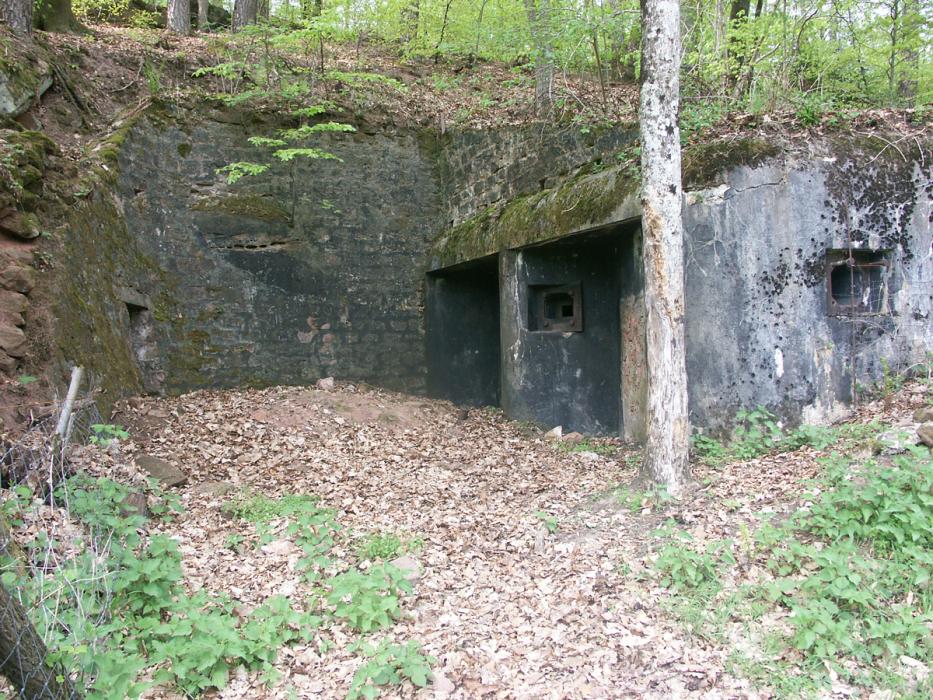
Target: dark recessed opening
[[555, 308], [857, 284], [143, 346]]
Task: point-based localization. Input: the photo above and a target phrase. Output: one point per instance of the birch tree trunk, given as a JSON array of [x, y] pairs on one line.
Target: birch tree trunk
[[203, 21], [179, 16], [539, 20], [667, 453], [17, 15], [244, 12]]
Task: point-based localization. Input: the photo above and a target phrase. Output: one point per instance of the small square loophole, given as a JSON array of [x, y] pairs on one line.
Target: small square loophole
[[857, 281], [555, 308]]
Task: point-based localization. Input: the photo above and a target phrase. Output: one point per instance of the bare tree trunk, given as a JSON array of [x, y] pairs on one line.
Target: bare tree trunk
[[909, 50], [411, 18], [244, 12], [203, 21], [22, 651], [17, 14], [539, 20], [667, 453], [738, 16], [57, 16], [179, 17]]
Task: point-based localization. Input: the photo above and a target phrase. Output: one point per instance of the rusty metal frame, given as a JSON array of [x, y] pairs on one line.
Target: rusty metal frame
[[838, 258]]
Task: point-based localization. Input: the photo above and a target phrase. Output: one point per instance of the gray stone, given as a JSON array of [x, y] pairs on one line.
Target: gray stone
[[135, 504], [165, 472], [326, 384], [898, 439], [17, 95], [924, 414], [925, 433], [213, 489], [409, 565]]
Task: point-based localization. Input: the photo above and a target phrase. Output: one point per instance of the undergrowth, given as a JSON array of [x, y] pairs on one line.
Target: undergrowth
[[115, 613], [759, 432], [845, 582]]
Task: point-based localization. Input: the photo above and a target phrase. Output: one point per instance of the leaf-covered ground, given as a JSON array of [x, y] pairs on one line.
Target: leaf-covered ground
[[535, 571]]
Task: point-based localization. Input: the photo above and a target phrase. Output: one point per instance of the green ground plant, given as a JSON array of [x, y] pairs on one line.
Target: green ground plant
[[386, 545], [759, 432], [117, 611], [387, 665], [548, 521], [850, 574]]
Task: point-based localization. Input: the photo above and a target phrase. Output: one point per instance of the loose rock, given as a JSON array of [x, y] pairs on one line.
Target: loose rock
[[12, 340], [924, 414], [167, 474], [925, 433], [409, 565]]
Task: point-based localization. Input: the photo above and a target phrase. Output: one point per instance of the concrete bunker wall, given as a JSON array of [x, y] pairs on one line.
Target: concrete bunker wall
[[315, 268], [766, 324], [761, 244], [550, 332]]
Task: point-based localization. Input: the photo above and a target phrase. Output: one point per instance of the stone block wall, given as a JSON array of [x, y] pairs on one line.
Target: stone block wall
[[484, 168], [312, 269]]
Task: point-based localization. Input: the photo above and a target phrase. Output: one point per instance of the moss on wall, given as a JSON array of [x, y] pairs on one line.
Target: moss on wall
[[248, 205], [583, 202], [704, 162], [92, 324]]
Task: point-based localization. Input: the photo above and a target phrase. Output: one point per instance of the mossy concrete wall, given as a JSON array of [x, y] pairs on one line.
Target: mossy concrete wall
[[760, 331], [315, 268], [98, 268], [760, 217]]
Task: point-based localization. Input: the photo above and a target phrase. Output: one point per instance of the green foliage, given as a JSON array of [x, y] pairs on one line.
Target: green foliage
[[26, 379], [852, 569], [682, 567], [282, 151], [105, 433], [758, 432], [587, 445], [549, 521], [389, 664], [368, 600], [385, 545], [153, 78], [236, 171], [99, 10]]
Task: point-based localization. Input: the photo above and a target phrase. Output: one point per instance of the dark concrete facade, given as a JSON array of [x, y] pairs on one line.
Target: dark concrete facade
[[766, 322], [317, 268]]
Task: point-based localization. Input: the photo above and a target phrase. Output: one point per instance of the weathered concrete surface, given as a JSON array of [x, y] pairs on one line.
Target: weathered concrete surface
[[759, 326], [759, 332], [311, 270], [315, 268], [570, 378]]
